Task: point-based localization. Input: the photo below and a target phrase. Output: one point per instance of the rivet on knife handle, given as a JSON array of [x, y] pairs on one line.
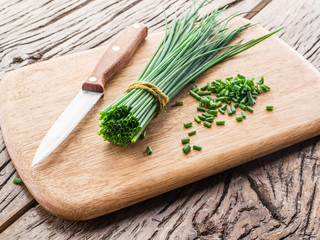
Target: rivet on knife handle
[[116, 57]]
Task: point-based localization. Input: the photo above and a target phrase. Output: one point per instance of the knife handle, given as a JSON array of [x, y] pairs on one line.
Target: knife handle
[[116, 57]]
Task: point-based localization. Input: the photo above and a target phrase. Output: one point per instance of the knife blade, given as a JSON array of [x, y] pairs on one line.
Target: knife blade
[[113, 60]]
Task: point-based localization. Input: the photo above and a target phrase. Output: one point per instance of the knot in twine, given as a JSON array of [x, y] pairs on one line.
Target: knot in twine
[[155, 91]]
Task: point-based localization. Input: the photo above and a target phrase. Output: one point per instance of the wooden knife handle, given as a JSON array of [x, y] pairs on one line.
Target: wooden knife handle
[[116, 57]]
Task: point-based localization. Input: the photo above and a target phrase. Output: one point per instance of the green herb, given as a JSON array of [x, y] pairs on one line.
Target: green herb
[[187, 124], [189, 48], [186, 149], [196, 147], [202, 109], [185, 140], [239, 118], [207, 124], [149, 150], [229, 111], [220, 110], [17, 180], [249, 109], [243, 114], [242, 106], [269, 108], [213, 112], [220, 122], [197, 119], [202, 93], [193, 94], [179, 103], [203, 118], [192, 133], [224, 107], [209, 119]]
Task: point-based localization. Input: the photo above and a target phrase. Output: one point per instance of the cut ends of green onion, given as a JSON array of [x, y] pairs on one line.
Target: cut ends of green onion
[[269, 108], [17, 180], [187, 124], [192, 133], [239, 118], [197, 119], [220, 122], [186, 149], [185, 140], [243, 114], [196, 147], [149, 150], [179, 103], [207, 124]]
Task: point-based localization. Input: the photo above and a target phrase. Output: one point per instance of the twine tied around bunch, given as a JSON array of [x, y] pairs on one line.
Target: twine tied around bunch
[[154, 90]]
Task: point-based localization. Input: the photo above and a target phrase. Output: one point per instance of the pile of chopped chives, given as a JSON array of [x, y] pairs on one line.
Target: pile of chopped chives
[[239, 91], [189, 48]]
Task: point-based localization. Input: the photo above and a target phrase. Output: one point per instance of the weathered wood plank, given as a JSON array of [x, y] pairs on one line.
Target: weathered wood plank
[[32, 29], [276, 197]]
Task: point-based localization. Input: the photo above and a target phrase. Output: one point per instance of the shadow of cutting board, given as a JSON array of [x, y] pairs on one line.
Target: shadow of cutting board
[[86, 177]]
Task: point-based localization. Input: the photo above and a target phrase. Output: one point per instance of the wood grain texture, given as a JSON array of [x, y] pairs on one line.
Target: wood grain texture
[[177, 207], [106, 178]]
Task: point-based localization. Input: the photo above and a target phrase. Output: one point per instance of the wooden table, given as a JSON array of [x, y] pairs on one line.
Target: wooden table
[[275, 197]]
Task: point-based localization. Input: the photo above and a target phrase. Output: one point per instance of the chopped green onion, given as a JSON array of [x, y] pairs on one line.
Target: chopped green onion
[[17, 180], [206, 115], [207, 124], [186, 149], [185, 140], [193, 94], [239, 118], [179, 103], [249, 109], [224, 107], [220, 110], [212, 112], [192, 133], [233, 109], [211, 98], [204, 100], [194, 86], [209, 119], [269, 108], [197, 119], [196, 147], [202, 109], [195, 90], [187, 124], [203, 118], [220, 122], [242, 106], [204, 88], [229, 111], [243, 114], [149, 150], [218, 104], [203, 93]]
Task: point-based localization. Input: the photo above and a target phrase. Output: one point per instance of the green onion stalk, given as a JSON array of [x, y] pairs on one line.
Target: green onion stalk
[[187, 50]]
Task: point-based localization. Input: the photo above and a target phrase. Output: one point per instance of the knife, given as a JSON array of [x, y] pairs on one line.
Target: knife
[[113, 60]]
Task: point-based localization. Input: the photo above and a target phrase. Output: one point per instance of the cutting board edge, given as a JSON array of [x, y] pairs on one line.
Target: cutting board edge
[[88, 214]]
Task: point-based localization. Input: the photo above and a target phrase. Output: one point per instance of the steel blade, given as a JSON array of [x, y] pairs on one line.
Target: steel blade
[[67, 121]]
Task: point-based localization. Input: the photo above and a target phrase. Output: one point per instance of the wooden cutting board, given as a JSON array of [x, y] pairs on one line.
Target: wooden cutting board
[[86, 177]]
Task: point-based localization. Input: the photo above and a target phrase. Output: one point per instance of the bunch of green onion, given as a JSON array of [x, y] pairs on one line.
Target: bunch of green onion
[[187, 50]]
